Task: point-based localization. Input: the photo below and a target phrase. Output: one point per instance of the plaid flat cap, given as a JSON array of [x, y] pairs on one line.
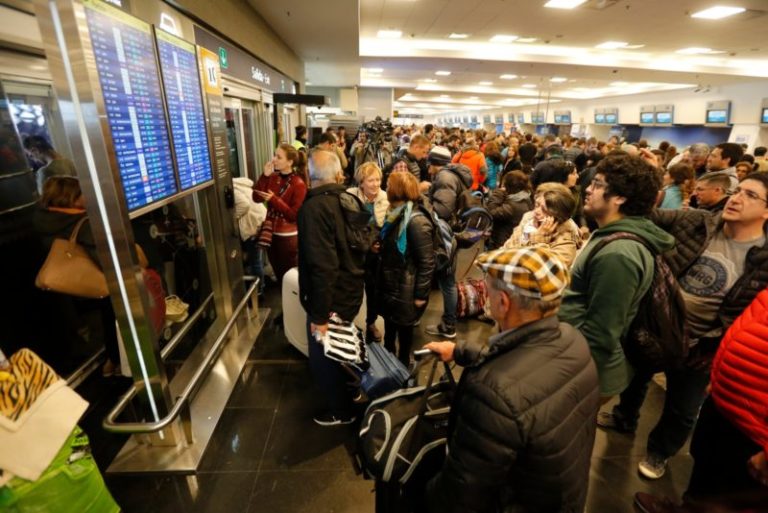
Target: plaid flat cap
[[532, 272]]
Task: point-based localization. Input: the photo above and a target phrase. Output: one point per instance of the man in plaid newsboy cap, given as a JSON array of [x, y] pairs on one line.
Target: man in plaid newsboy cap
[[530, 389]]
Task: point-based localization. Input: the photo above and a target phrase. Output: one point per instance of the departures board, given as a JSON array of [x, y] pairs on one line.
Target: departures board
[[181, 77]]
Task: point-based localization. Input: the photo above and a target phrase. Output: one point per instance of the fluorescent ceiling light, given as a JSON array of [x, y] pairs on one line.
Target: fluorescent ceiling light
[[694, 50], [485, 83], [526, 40], [612, 45], [558, 79], [307, 83], [473, 98], [375, 70], [619, 84], [429, 80], [529, 86], [564, 4], [442, 73], [501, 38], [389, 34], [508, 77], [718, 12], [458, 36], [445, 96]]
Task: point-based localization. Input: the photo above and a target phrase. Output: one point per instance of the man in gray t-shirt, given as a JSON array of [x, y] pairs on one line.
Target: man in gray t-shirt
[[720, 262]]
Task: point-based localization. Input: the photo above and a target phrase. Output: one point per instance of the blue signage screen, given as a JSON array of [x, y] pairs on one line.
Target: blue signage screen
[[764, 117], [599, 118], [125, 60], [611, 118], [646, 117], [664, 118], [178, 64], [717, 116]]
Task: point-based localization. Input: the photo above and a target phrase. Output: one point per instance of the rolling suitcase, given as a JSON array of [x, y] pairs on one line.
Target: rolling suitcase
[[295, 318], [385, 373]]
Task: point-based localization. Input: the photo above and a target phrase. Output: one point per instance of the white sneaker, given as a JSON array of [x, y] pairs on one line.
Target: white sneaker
[[176, 310], [652, 467]]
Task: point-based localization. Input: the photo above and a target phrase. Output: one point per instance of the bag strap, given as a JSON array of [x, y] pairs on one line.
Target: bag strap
[[617, 236], [76, 230], [430, 382]]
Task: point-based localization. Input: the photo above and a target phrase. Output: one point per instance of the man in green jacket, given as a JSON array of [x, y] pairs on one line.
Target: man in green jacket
[[605, 290]]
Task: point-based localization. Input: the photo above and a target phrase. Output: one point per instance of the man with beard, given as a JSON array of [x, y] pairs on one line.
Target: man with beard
[[605, 290]]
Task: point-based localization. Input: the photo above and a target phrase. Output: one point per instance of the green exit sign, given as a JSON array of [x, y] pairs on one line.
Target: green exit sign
[[223, 59]]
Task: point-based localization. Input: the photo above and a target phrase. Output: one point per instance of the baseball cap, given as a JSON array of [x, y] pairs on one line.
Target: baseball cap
[[439, 156], [532, 272]]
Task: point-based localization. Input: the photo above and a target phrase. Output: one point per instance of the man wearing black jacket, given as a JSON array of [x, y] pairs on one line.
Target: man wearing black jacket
[[330, 279]]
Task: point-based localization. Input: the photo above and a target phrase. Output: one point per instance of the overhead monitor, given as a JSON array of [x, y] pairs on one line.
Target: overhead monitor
[[511, 118], [663, 118], [646, 118], [537, 118], [563, 117], [487, 119], [717, 116], [599, 117], [178, 64], [521, 118], [764, 116], [718, 113], [611, 118], [499, 119], [124, 51]]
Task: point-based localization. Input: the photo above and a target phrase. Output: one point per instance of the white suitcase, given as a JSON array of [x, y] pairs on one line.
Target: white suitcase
[[295, 318]]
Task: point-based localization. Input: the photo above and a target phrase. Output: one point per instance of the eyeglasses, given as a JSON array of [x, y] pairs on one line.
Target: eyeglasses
[[751, 195], [598, 184]]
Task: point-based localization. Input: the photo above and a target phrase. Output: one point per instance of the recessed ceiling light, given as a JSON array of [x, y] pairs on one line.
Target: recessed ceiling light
[[695, 50], [508, 77], [718, 12], [485, 83], [526, 40], [501, 38], [564, 4], [458, 36], [375, 70], [558, 79], [529, 86], [442, 73], [429, 80], [389, 34]]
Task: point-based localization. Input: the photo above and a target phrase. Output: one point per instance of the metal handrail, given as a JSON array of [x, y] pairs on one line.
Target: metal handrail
[[109, 423], [171, 345]]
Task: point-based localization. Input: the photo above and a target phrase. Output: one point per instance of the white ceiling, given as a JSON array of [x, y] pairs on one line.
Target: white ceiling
[[340, 47]]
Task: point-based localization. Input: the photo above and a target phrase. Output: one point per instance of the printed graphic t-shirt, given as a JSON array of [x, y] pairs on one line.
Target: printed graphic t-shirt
[[709, 279]]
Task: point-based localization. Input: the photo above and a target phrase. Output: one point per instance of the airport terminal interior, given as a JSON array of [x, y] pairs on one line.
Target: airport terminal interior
[[177, 340]]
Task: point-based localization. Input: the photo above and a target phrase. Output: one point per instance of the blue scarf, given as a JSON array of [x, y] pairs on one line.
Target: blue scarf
[[402, 241]]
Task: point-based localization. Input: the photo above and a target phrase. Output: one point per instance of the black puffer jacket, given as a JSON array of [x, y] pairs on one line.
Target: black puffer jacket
[[405, 279], [446, 187], [522, 425], [507, 211], [693, 230], [414, 166], [330, 273]]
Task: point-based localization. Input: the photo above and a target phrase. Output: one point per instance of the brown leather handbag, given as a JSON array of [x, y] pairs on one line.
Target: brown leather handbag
[[70, 270]]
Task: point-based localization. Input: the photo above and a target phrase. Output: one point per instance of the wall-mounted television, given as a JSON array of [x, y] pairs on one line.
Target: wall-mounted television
[[646, 118], [521, 118], [599, 117], [764, 116], [717, 116], [563, 117], [611, 118], [664, 118], [537, 118]]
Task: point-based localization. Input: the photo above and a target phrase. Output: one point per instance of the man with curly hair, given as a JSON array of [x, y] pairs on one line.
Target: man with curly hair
[[606, 288]]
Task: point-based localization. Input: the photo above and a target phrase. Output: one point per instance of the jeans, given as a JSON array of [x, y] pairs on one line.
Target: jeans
[[254, 260], [330, 378], [686, 391], [446, 279]]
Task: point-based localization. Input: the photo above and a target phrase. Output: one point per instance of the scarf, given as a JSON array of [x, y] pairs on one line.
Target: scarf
[[519, 196], [392, 216]]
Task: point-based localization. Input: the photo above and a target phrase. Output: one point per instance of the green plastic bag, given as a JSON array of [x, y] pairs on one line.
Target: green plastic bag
[[72, 483]]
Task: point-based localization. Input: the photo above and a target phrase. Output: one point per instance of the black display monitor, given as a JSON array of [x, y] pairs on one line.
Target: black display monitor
[[599, 118], [178, 63], [646, 118], [563, 119], [717, 116], [611, 118], [664, 118], [764, 116], [537, 118], [124, 52]]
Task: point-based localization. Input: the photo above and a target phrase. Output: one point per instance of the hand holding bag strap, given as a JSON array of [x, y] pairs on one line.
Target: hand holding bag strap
[[430, 382]]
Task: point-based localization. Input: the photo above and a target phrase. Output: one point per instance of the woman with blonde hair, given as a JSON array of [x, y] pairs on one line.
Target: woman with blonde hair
[[549, 224], [368, 178]]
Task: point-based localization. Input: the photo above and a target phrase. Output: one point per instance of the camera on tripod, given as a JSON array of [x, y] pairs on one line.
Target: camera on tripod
[[378, 130]]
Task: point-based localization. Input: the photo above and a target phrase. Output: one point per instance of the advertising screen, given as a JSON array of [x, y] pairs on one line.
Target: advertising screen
[[178, 64], [124, 50]]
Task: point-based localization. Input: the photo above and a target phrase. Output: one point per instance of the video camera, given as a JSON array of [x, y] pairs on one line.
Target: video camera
[[378, 130]]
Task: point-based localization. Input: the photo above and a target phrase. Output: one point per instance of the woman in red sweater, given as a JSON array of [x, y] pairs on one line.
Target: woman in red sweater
[[283, 189], [730, 443]]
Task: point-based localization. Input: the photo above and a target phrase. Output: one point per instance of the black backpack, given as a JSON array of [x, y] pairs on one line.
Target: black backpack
[[443, 241], [657, 338], [471, 221], [357, 223]]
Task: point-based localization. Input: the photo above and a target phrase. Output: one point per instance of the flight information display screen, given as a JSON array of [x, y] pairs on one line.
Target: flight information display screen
[[125, 60], [178, 64], [646, 117], [764, 117], [664, 118], [717, 116]]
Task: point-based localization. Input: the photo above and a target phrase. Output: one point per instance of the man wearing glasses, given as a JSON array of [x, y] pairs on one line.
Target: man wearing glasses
[[721, 263]]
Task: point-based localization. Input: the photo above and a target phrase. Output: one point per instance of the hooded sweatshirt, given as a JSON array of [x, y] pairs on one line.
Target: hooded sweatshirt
[[602, 301]]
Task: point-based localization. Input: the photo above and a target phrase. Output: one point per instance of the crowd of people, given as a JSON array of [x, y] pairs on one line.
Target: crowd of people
[[578, 226]]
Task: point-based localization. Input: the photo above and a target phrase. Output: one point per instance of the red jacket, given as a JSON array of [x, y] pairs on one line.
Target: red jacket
[[282, 209], [475, 161], [740, 372]]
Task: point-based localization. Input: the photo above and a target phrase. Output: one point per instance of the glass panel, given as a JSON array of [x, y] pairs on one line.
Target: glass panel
[[233, 119], [249, 139]]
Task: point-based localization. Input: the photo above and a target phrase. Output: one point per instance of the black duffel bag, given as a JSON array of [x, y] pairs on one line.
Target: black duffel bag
[[406, 429]]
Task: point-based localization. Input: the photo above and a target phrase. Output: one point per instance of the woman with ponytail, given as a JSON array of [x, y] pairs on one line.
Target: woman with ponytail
[[282, 188], [678, 186]]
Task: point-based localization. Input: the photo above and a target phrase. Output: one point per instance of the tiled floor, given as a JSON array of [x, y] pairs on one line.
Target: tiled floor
[[267, 456]]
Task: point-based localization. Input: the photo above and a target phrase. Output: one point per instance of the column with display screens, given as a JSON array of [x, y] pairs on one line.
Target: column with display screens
[[178, 64], [124, 51]]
